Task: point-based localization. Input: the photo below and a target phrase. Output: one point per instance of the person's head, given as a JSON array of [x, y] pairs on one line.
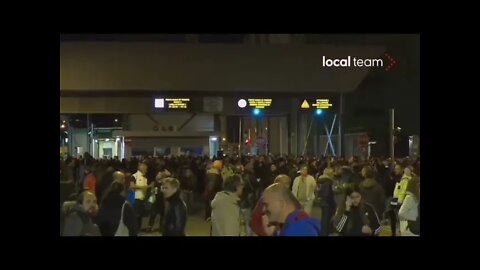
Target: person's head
[[279, 202], [273, 168], [337, 171], [119, 177], [304, 170], [408, 171], [162, 175], [234, 183], [217, 164], [116, 188], [170, 186], [354, 193], [239, 169], [367, 172], [284, 180], [399, 169], [142, 167], [413, 186], [88, 201], [188, 172], [328, 172]]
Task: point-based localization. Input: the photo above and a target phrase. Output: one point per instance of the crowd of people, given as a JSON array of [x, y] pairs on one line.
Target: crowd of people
[[242, 196]]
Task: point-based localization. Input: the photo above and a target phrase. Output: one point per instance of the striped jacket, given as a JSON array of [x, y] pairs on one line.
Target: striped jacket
[[350, 223]]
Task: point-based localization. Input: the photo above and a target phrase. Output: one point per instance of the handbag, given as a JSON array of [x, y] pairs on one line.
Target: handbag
[[122, 230]]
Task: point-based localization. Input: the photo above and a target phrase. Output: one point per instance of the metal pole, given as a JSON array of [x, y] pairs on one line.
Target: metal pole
[[280, 129], [306, 137], [340, 122], [392, 134], [240, 136], [88, 127], [93, 141], [267, 140]]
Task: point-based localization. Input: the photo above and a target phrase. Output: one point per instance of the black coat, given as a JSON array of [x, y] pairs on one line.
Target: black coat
[[214, 184], [109, 216], [175, 217]]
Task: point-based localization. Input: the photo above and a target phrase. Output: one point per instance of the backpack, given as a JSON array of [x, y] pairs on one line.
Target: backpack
[[414, 225]]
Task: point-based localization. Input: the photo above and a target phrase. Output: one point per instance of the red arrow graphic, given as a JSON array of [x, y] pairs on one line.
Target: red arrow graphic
[[392, 64]]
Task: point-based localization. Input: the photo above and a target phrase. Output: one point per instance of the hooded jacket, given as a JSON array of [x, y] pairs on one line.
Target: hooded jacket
[[373, 193], [227, 219]]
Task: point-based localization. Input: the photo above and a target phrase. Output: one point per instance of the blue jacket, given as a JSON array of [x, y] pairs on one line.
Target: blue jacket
[[300, 223]]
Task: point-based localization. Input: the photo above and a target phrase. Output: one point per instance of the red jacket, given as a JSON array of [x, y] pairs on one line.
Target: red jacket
[[256, 223], [90, 183]]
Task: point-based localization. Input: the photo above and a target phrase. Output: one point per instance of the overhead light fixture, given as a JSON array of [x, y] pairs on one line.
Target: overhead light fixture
[[116, 120], [62, 126]]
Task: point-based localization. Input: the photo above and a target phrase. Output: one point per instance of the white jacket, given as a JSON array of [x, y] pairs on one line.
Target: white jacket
[[408, 211], [311, 186]]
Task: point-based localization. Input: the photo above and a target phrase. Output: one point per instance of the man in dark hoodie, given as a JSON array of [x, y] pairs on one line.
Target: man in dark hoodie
[[371, 191], [327, 197]]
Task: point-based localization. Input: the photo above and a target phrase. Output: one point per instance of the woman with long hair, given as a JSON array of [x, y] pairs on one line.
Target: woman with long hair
[[355, 217]]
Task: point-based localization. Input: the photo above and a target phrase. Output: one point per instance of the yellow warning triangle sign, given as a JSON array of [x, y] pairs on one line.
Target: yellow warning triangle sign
[[305, 104]]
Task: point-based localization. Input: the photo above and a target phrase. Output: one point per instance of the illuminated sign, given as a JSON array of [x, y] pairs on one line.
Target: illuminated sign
[[318, 104], [322, 104], [259, 103], [242, 103], [172, 103], [305, 104]]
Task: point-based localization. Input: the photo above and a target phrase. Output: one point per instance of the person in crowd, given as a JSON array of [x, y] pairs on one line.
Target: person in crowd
[[392, 206], [188, 183], [304, 187], [78, 216], [115, 212], [260, 223], [227, 218], [214, 184], [139, 183], [327, 203], [355, 217], [372, 192], [90, 181], [176, 212], [409, 211], [158, 207], [247, 198], [281, 207]]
